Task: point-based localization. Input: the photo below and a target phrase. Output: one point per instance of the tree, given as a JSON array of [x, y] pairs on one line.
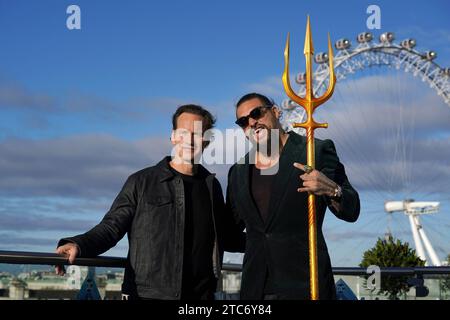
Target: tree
[[392, 252], [445, 281]]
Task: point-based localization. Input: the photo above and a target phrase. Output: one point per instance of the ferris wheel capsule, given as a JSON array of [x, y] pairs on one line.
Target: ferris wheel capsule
[[301, 78], [446, 72], [321, 57], [430, 55], [364, 37], [387, 37], [288, 104], [408, 43], [342, 44]]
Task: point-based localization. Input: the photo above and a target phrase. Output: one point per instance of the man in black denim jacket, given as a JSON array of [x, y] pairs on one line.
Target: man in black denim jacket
[[177, 234]]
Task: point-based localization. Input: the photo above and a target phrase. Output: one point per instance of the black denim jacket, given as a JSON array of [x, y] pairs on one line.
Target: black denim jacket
[[150, 210]]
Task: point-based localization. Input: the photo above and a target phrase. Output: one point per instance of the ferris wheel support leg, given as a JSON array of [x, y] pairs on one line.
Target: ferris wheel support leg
[[417, 241], [430, 250]]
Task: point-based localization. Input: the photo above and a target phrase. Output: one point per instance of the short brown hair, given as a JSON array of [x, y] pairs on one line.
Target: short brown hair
[[208, 119]]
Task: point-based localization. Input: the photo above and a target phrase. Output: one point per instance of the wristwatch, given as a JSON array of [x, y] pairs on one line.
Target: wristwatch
[[337, 193]]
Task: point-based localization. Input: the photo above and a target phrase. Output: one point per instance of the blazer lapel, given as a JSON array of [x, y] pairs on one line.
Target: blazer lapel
[[245, 191], [292, 151]]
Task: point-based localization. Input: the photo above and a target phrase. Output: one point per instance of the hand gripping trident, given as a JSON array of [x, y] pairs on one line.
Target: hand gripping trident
[[310, 103]]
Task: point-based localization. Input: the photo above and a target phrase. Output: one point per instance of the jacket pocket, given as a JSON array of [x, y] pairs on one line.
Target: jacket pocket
[[158, 201], [152, 215]]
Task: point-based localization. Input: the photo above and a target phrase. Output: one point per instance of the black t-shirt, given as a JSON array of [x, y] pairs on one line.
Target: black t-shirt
[[261, 186], [199, 281]]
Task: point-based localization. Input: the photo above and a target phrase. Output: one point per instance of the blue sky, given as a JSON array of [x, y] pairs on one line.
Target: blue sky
[[80, 110]]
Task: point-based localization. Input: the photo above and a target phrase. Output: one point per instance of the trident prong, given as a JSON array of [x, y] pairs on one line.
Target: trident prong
[[286, 81], [310, 103]]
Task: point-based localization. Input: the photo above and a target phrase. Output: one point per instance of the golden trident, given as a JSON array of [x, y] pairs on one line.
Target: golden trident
[[310, 103]]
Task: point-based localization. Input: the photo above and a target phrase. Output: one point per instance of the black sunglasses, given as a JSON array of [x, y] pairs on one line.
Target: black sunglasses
[[255, 114]]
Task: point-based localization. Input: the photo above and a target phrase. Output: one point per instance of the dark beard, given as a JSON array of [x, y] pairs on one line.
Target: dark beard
[[265, 147]]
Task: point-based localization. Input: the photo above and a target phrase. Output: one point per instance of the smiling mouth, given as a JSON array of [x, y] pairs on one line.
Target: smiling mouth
[[259, 131]]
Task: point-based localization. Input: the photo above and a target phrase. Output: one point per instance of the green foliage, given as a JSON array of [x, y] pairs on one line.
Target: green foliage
[[445, 282], [392, 253]]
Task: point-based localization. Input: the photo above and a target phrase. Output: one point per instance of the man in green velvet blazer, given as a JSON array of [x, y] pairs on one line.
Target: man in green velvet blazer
[[267, 193]]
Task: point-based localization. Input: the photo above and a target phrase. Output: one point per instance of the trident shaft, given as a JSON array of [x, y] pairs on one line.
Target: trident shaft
[[310, 103]]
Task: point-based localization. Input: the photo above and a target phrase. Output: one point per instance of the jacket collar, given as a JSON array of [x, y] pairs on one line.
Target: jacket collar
[[167, 174]]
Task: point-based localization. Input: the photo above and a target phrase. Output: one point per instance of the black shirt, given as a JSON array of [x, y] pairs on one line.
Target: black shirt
[[261, 186], [198, 281]]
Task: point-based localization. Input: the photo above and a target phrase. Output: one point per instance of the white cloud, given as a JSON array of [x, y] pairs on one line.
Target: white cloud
[[87, 166], [36, 109], [13, 95]]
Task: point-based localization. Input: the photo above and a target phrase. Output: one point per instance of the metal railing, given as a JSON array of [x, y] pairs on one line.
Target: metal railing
[[415, 274], [41, 258]]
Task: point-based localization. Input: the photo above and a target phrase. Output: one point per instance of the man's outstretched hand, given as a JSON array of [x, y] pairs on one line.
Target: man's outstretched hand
[[69, 250], [315, 182]]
